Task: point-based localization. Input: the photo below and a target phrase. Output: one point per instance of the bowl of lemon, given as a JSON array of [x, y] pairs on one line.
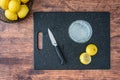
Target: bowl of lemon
[[14, 10]]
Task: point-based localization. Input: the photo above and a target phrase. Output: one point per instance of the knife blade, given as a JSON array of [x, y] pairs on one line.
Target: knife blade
[[54, 43]]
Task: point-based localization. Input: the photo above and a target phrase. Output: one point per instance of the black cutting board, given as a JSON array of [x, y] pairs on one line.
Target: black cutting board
[[59, 22]]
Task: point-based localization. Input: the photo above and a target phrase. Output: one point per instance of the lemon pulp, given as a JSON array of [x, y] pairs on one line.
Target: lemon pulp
[[85, 58]]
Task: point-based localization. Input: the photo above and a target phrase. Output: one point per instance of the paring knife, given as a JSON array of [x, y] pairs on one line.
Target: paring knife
[[54, 43]]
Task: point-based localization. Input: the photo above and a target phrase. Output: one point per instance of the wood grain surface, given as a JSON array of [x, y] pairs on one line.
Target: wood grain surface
[[16, 43]]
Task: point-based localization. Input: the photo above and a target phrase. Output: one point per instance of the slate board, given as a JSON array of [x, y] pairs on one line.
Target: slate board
[[59, 22]]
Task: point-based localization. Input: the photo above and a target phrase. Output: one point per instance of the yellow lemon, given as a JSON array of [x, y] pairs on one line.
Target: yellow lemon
[[18, 1], [14, 6], [23, 11], [4, 4], [91, 49], [24, 1], [10, 15], [85, 58]]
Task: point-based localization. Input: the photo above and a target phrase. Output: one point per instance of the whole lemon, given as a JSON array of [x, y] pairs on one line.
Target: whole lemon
[[23, 11], [14, 6], [85, 58], [4, 4], [24, 1], [91, 49], [10, 15], [18, 1]]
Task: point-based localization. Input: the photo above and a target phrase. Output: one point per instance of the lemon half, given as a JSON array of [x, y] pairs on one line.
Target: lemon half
[[85, 58], [91, 49]]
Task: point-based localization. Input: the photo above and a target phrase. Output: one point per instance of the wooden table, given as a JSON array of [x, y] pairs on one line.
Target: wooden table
[[16, 43]]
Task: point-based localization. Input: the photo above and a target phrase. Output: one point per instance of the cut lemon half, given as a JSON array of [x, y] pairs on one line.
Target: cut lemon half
[[91, 49], [85, 58]]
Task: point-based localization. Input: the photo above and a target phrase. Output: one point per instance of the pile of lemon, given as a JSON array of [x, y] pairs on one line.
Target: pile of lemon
[[85, 57], [14, 9]]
